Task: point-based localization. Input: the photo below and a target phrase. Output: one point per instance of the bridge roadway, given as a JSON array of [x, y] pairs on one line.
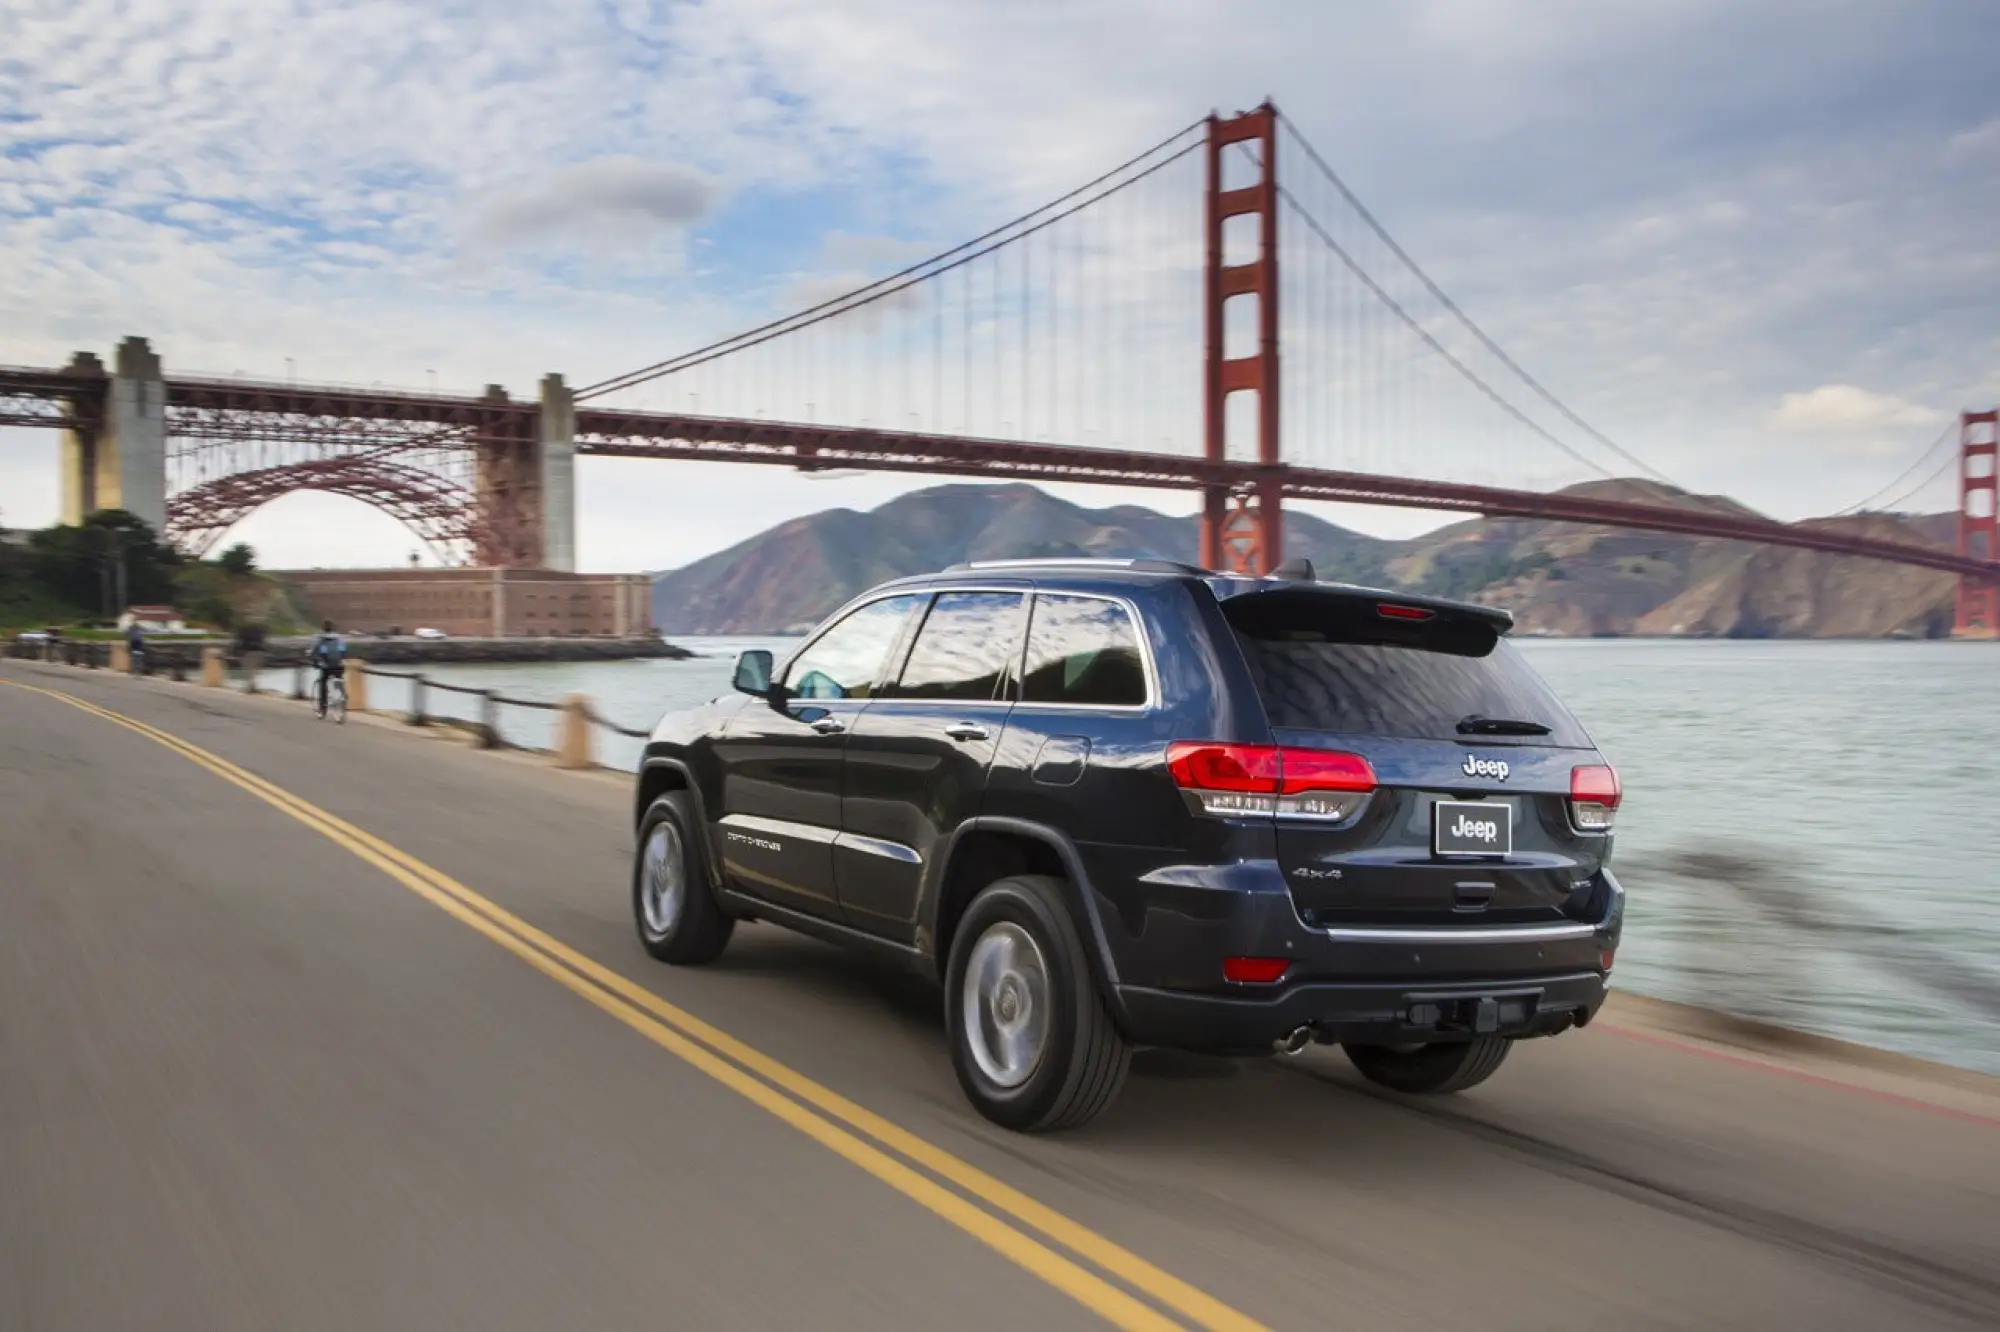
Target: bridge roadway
[[253, 1075]]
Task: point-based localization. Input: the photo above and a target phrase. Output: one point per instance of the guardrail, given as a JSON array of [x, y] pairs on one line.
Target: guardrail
[[67, 651], [577, 717], [487, 731], [101, 654]]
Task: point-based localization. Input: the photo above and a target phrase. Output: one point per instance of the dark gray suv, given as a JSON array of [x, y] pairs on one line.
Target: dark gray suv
[[1121, 803]]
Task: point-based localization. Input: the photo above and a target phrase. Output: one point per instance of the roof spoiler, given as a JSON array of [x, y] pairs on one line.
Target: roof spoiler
[[1388, 604]]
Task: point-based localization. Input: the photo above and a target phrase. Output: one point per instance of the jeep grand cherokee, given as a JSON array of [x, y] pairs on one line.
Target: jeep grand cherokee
[[1133, 803]]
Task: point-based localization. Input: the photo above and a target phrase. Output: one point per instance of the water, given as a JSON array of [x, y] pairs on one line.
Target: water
[[1849, 788], [1807, 834]]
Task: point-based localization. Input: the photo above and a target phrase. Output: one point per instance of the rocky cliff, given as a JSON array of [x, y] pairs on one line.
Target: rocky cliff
[[1557, 578]]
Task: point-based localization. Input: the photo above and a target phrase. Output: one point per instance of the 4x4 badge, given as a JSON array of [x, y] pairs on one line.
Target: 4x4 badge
[[1479, 767]]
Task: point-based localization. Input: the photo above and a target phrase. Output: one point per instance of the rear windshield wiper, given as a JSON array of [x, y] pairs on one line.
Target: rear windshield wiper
[[1478, 725]]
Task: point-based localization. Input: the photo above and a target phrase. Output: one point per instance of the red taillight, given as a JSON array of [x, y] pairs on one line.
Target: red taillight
[[1305, 770], [1254, 970], [1205, 767], [1594, 794], [1391, 611], [1264, 779]]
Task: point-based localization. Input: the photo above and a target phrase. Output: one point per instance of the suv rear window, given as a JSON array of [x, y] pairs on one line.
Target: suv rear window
[[1325, 663]]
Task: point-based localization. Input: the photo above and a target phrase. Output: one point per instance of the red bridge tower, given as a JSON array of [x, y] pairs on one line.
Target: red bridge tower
[[1978, 523], [1243, 532]]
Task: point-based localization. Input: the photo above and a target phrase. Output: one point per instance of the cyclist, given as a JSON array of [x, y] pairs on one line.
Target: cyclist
[[329, 650]]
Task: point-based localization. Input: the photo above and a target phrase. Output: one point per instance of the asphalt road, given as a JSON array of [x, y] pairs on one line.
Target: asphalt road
[[258, 1074]]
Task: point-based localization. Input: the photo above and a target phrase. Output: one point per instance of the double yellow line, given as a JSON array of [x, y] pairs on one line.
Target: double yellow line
[[1011, 1226]]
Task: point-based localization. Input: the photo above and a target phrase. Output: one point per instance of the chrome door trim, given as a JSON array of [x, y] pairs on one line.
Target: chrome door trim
[[877, 846], [810, 832]]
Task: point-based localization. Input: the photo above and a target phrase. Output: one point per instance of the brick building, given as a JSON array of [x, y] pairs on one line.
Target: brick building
[[479, 603]]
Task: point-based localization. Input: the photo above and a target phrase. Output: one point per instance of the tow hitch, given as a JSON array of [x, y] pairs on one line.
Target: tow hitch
[[1482, 1015]]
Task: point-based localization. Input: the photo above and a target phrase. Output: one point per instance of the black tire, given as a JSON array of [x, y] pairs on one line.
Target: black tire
[[1431, 1069], [1083, 1059], [695, 930]]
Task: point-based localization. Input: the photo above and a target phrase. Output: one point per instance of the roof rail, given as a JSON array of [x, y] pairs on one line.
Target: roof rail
[[1082, 561]]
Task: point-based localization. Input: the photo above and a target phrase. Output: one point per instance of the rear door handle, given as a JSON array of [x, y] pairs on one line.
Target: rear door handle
[[829, 726], [966, 731]]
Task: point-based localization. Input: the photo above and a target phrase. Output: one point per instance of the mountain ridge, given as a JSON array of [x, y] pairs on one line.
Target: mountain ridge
[[1559, 579]]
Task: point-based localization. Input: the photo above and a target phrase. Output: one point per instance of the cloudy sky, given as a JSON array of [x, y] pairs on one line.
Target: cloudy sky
[[1751, 242]]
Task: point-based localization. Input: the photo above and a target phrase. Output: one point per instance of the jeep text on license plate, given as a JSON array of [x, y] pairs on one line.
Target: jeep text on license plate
[[1472, 828]]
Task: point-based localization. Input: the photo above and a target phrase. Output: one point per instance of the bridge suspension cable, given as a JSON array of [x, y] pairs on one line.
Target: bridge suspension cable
[[1948, 433], [1534, 385], [1416, 327], [1949, 461], [1123, 176]]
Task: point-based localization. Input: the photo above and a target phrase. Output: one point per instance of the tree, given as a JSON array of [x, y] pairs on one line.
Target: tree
[[113, 554], [239, 559], [212, 608]]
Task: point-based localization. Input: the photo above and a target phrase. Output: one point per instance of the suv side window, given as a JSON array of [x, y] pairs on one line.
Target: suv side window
[[966, 645], [844, 661], [1083, 650]]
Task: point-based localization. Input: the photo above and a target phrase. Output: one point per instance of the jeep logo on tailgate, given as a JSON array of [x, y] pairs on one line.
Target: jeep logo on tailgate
[[1479, 767]]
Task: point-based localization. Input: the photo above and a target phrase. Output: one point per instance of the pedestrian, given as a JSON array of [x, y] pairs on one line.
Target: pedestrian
[[135, 641]]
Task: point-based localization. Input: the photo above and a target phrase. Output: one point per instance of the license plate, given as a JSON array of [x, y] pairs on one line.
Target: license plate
[[1472, 828]]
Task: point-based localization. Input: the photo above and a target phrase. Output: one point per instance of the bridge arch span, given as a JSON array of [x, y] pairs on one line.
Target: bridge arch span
[[438, 511]]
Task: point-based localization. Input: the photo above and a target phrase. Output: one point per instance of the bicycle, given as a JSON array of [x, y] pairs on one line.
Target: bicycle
[[333, 701]]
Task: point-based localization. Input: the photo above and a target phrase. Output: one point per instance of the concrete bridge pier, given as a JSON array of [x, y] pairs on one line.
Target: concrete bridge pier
[[81, 438], [526, 482], [557, 438], [120, 462]]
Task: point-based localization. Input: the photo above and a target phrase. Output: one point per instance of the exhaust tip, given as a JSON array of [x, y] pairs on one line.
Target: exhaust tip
[[1293, 1041]]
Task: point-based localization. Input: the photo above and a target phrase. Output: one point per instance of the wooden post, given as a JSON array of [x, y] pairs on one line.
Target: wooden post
[[357, 685], [489, 720], [211, 668], [573, 733], [121, 658], [417, 717]]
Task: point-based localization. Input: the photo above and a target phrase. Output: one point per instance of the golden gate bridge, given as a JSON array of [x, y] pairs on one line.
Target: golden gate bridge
[[1219, 314]]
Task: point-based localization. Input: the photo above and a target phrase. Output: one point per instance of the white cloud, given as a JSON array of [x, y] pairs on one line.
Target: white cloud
[[1843, 409]]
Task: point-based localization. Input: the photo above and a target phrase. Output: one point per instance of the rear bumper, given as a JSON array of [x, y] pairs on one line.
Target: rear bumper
[[1386, 985], [1368, 1014]]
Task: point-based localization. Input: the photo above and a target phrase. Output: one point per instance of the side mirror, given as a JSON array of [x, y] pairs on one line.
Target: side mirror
[[753, 673]]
